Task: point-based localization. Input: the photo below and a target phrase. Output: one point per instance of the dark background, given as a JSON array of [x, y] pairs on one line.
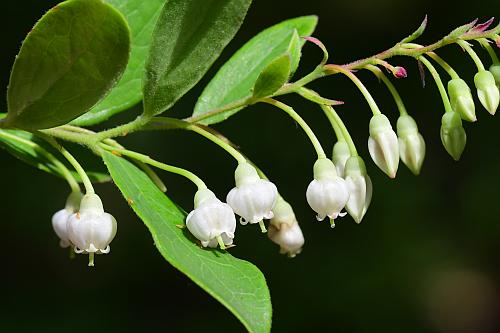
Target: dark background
[[426, 257]]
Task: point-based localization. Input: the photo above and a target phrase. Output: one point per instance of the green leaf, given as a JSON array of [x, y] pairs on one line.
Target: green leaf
[[273, 77], [236, 78], [189, 36], [237, 284], [67, 63], [29, 149], [141, 16]]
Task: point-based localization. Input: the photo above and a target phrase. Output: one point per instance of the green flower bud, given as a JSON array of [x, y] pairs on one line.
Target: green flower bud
[[340, 156], [360, 188], [411, 144], [461, 99], [383, 145], [495, 70], [487, 90], [453, 134]]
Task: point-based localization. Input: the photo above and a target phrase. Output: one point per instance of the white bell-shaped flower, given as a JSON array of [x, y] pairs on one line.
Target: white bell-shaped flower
[[360, 188], [487, 91], [383, 145], [411, 144], [288, 237], [91, 230], [60, 218], [327, 194], [284, 229], [212, 222], [253, 198], [340, 156]]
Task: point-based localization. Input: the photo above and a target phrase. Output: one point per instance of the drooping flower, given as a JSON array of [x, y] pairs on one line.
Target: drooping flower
[[284, 229], [253, 198], [383, 145], [212, 222], [453, 134], [60, 218], [327, 194], [411, 144], [487, 90], [91, 230], [360, 188], [340, 156], [461, 99]]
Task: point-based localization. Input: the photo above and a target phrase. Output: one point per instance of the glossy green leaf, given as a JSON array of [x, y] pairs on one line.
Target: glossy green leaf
[[31, 150], [67, 63], [141, 17], [189, 37], [236, 78], [237, 284], [273, 77]]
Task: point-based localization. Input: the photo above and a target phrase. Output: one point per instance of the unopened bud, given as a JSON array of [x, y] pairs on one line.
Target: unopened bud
[[360, 188], [383, 145], [340, 156], [487, 90], [453, 134], [411, 144], [461, 99], [495, 70]]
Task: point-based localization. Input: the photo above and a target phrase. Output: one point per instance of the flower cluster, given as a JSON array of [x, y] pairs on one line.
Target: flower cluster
[[84, 225]]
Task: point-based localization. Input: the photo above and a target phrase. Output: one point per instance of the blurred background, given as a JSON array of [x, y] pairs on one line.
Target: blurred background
[[426, 257]]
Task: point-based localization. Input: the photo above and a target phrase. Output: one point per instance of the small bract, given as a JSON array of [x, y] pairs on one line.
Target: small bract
[[91, 230], [327, 194], [253, 198], [212, 222], [60, 218]]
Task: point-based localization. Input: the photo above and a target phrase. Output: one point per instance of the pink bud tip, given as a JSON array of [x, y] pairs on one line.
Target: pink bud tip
[[400, 72], [483, 26]]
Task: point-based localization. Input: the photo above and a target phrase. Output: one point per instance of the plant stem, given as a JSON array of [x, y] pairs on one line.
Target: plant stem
[[472, 54], [335, 120], [359, 84], [392, 89], [73, 184], [148, 160], [451, 72], [295, 116], [89, 189], [439, 83], [122, 130], [218, 141], [484, 43]]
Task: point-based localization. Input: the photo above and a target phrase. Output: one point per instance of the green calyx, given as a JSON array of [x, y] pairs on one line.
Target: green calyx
[[324, 169], [495, 70], [487, 90], [91, 203], [453, 135], [245, 173], [73, 201], [283, 213], [461, 99], [355, 166], [379, 123], [406, 125], [203, 195]]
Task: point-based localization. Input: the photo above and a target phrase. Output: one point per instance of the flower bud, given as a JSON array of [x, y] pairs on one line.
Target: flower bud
[[495, 70], [453, 134], [340, 156], [288, 237], [212, 222], [253, 198], [60, 219], [411, 144], [383, 145], [283, 213], [327, 194], [487, 91], [91, 229], [360, 188], [461, 99]]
